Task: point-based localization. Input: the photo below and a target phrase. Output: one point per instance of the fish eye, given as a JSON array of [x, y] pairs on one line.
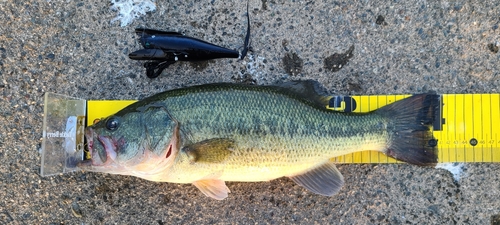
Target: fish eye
[[112, 123]]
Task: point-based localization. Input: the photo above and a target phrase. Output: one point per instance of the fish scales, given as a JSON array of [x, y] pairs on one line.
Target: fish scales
[[275, 134], [213, 133]]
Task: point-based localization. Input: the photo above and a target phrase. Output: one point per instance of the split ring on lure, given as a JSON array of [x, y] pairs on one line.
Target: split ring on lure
[[164, 48]]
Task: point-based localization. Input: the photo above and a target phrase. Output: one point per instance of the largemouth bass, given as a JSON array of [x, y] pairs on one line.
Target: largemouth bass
[[209, 134]]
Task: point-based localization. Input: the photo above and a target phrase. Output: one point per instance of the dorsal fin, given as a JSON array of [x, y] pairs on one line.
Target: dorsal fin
[[307, 89]]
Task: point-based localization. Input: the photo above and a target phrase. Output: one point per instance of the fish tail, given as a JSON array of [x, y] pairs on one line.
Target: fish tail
[[410, 129]]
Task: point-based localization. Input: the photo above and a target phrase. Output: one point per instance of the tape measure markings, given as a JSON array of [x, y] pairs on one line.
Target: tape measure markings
[[478, 112], [496, 120], [495, 123], [469, 133], [487, 109]]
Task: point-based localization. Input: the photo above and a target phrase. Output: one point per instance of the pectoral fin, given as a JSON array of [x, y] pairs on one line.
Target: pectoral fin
[[324, 180], [216, 189], [214, 150]]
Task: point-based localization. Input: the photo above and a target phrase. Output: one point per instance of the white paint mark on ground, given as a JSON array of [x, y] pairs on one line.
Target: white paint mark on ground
[[456, 169], [255, 66], [128, 10]]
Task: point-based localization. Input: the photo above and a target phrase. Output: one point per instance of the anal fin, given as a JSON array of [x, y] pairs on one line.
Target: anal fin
[[214, 188], [324, 180]]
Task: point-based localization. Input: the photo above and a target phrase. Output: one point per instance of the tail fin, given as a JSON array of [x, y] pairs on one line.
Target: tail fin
[[410, 129]]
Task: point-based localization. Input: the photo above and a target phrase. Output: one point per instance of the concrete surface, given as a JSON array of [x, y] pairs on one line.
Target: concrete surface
[[70, 47]]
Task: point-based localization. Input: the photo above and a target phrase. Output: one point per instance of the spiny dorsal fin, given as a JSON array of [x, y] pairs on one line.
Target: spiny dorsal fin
[[307, 89], [214, 150]]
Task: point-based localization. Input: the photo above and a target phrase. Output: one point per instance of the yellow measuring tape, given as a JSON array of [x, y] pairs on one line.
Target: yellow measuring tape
[[469, 130]]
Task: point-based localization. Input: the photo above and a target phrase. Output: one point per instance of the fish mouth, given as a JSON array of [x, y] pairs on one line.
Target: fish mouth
[[100, 150]]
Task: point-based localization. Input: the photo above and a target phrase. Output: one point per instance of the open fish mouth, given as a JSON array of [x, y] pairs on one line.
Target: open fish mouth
[[97, 153]]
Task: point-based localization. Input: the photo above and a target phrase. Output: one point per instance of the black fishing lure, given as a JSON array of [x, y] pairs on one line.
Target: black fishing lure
[[165, 48]]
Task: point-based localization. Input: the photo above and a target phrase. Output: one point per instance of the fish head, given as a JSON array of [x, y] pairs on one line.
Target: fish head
[[142, 143]]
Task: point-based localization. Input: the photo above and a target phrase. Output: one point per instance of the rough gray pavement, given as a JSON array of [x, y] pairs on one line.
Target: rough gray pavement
[[71, 48]]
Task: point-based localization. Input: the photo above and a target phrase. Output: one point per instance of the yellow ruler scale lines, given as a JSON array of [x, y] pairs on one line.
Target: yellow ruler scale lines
[[486, 123], [447, 135], [459, 120], [495, 126], [469, 128], [455, 128], [478, 125]]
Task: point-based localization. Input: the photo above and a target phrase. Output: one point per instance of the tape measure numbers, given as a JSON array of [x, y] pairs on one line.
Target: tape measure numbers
[[467, 131], [471, 130]]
